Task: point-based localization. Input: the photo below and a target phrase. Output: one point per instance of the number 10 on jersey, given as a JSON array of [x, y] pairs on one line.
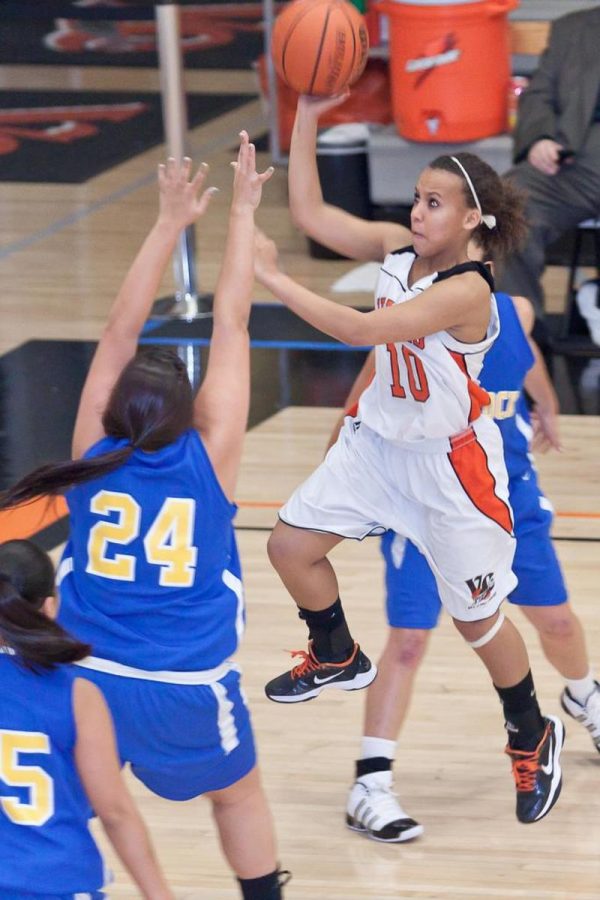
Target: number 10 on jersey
[[415, 374]]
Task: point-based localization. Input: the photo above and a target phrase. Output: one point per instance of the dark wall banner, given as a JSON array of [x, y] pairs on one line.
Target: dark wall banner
[[70, 136], [98, 32]]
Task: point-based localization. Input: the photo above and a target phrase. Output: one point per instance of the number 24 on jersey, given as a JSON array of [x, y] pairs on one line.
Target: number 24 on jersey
[[167, 543]]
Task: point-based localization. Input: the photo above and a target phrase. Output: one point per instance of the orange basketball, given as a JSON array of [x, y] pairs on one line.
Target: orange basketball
[[319, 46]]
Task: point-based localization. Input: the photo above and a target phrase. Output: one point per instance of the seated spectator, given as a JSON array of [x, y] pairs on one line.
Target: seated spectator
[[557, 147]]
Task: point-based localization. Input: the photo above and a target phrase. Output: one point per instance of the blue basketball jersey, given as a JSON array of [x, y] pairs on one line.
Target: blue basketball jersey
[[46, 845], [151, 574], [505, 367]]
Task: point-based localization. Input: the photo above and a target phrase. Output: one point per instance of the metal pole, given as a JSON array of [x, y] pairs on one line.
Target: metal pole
[[187, 303], [274, 144]]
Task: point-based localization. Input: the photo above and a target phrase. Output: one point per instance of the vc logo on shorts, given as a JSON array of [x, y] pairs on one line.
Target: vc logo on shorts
[[482, 589]]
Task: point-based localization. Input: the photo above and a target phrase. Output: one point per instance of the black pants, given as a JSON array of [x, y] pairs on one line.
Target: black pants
[[556, 203]]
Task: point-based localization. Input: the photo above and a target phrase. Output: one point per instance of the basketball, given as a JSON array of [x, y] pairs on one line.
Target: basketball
[[319, 47]]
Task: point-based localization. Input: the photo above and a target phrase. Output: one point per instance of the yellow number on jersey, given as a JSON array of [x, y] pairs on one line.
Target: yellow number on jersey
[[168, 543], [123, 531], [41, 787]]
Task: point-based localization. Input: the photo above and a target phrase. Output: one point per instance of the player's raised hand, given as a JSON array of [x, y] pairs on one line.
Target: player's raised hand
[[247, 182], [182, 199], [318, 106]]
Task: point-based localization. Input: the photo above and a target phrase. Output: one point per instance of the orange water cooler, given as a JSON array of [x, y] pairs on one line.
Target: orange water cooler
[[449, 67]]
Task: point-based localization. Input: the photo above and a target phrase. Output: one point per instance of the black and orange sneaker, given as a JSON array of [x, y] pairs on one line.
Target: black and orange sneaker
[[537, 773], [307, 679]]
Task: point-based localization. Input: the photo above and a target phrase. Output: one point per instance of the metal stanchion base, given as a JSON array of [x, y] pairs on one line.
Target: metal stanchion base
[[188, 308]]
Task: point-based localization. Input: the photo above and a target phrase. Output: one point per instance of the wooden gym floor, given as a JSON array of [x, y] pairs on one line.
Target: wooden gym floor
[[63, 250]]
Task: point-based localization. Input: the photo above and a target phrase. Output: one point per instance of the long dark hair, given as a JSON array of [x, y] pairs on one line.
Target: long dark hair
[[498, 197], [150, 405], [26, 579]]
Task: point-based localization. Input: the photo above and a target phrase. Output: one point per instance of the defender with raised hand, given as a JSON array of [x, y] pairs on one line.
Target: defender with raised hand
[[151, 575]]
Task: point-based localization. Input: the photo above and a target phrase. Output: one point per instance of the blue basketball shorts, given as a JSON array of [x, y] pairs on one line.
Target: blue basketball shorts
[[21, 895], [180, 740], [412, 599]]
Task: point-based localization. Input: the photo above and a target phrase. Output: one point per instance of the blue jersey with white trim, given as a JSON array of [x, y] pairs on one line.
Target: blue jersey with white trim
[[46, 844], [505, 367], [151, 574]]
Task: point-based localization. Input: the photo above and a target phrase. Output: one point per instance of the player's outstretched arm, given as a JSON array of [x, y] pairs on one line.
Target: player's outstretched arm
[[333, 227], [460, 304], [181, 202], [221, 407], [99, 769]]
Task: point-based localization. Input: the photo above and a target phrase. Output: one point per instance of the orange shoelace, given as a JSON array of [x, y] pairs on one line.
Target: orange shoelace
[[525, 765], [308, 664], [525, 769]]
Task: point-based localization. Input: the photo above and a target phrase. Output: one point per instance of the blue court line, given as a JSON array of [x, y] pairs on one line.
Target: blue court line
[[150, 326], [272, 345]]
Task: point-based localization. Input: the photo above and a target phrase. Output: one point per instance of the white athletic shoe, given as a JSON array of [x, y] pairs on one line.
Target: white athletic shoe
[[374, 810], [587, 713]]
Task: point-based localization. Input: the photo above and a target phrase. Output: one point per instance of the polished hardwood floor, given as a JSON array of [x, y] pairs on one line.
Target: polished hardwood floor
[[63, 250], [450, 772]]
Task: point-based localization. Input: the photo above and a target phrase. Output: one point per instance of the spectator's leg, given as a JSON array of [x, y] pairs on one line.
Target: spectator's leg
[[555, 204]]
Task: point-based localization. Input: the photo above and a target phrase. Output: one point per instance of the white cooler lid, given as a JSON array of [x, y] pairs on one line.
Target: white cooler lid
[[346, 133]]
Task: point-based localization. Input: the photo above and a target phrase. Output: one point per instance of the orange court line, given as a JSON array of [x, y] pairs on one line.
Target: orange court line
[[275, 504], [578, 515], [25, 521], [258, 504]]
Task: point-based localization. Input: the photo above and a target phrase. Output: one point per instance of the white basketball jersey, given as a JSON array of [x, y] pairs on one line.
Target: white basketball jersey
[[424, 388]]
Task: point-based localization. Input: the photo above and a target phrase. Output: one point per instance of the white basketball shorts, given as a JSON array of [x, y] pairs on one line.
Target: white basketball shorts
[[448, 496]]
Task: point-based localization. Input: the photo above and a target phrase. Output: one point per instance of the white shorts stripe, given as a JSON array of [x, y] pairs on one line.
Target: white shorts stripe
[[65, 568], [225, 722], [234, 584], [206, 676]]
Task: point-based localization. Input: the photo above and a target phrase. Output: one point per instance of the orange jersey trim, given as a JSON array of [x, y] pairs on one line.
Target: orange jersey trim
[[353, 410], [479, 396], [470, 464]]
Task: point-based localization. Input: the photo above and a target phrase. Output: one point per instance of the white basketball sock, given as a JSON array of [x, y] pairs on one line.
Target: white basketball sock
[[581, 688], [374, 746]]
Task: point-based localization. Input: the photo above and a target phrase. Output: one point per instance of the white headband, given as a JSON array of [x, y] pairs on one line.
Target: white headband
[[490, 221]]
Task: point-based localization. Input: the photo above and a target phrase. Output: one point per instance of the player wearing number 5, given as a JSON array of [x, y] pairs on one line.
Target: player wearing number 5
[[57, 752], [418, 453], [151, 576]]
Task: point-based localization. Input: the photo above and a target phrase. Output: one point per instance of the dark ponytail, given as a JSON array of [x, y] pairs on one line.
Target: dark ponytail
[[26, 579], [56, 477], [150, 405], [498, 197]]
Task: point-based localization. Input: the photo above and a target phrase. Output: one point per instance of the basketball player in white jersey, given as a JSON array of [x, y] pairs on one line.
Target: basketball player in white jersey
[[418, 457]]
